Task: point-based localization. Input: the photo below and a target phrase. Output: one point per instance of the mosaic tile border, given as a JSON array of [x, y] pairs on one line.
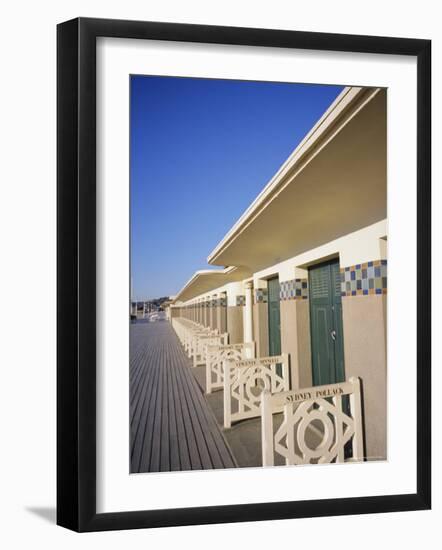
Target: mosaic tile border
[[261, 295], [369, 278], [295, 289]]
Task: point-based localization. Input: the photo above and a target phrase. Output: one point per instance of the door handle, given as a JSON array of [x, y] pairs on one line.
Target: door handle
[[333, 335]]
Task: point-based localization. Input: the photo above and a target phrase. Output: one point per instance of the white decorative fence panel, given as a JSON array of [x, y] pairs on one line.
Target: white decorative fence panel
[[201, 343], [322, 405], [193, 340], [215, 357], [245, 381]]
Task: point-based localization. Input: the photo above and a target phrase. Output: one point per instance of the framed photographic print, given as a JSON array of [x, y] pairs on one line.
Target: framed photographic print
[[243, 274]]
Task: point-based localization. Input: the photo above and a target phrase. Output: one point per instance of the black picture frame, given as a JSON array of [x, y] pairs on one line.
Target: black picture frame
[[76, 273]]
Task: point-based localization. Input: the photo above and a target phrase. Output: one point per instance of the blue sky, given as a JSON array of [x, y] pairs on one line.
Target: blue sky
[[200, 151]]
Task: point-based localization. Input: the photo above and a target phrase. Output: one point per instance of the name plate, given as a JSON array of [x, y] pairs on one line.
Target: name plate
[[227, 347], [262, 361], [318, 392]]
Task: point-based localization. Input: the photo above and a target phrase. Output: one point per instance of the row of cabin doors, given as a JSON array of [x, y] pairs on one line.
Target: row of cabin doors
[[326, 333]]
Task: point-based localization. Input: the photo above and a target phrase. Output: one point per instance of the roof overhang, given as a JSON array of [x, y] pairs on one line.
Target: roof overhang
[[207, 280], [333, 183]]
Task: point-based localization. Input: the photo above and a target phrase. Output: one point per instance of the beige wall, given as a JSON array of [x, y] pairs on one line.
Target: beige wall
[[261, 329], [295, 340], [221, 318], [235, 324], [365, 356]]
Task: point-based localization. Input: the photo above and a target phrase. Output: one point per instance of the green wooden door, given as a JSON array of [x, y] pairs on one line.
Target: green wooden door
[[326, 323], [274, 316]]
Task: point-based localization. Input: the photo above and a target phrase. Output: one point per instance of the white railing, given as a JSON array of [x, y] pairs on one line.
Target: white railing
[[244, 382], [178, 327], [184, 329], [215, 357], [301, 442], [202, 342], [195, 338], [192, 346]]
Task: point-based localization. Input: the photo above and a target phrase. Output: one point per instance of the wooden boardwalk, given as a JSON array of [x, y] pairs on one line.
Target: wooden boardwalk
[[172, 426]]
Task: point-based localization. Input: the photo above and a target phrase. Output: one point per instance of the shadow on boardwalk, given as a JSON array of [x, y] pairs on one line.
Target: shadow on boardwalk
[[172, 426]]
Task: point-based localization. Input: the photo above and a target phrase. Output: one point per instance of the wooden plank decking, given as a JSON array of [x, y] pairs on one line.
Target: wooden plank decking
[[172, 426]]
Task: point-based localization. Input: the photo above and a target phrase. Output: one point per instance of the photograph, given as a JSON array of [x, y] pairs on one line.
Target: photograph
[[223, 218], [258, 274]]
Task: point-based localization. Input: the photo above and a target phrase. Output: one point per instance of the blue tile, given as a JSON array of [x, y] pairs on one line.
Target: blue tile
[[370, 264], [365, 292], [358, 266], [379, 291], [377, 271], [353, 275], [353, 292]]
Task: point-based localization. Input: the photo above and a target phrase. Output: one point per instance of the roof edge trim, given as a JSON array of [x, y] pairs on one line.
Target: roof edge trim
[[340, 112]]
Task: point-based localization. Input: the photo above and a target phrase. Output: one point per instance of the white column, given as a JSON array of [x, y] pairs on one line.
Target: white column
[[248, 314]]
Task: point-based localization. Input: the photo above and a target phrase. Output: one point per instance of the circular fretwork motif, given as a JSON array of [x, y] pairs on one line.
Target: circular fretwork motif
[[255, 385], [327, 437]]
